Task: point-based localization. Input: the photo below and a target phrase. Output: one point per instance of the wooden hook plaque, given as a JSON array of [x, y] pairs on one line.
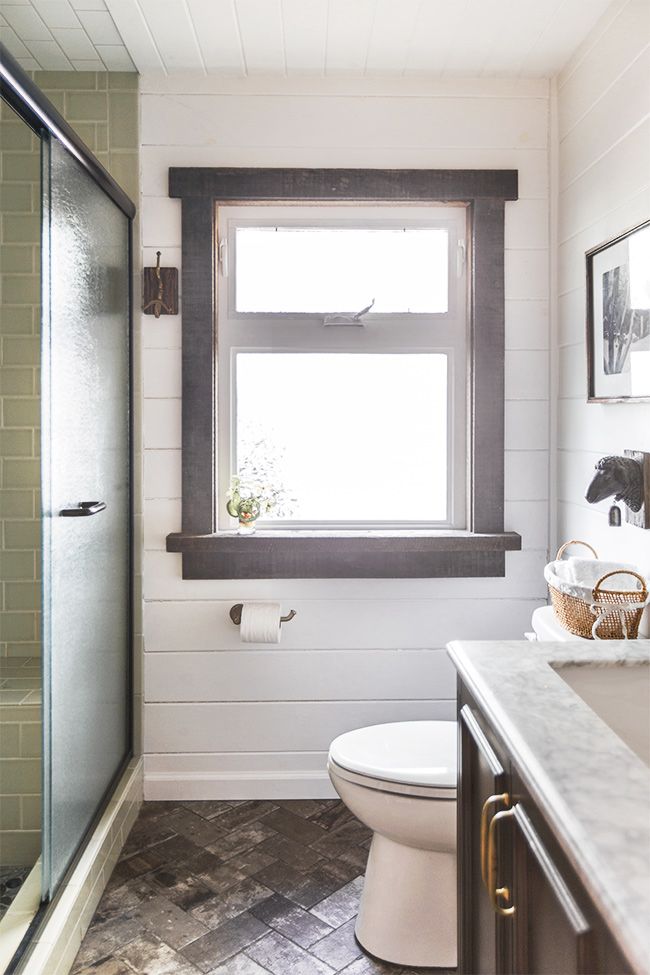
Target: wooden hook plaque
[[160, 290]]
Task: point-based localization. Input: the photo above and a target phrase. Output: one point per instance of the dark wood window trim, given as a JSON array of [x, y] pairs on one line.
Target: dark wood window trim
[[209, 554]]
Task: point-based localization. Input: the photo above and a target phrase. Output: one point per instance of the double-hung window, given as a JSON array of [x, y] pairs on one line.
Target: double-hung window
[[342, 364]]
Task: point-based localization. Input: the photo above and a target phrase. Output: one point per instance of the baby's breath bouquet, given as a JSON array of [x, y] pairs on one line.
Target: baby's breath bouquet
[[257, 489]]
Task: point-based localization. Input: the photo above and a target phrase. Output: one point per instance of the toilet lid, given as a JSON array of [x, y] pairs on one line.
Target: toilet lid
[[413, 752]]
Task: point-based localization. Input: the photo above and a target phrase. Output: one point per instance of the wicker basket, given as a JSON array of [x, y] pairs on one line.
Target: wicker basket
[[603, 614]]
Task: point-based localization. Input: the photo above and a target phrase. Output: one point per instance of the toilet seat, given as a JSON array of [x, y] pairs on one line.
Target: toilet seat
[[407, 757]]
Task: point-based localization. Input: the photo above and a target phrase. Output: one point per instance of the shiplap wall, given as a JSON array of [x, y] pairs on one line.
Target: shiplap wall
[[232, 721], [603, 103]]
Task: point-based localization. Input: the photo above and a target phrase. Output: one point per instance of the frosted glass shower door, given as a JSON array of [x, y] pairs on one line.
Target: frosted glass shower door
[[86, 504]]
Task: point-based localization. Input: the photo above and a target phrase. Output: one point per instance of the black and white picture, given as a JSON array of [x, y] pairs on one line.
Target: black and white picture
[[618, 319]]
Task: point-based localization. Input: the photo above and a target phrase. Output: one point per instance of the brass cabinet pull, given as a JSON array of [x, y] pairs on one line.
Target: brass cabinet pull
[[504, 799], [497, 893]]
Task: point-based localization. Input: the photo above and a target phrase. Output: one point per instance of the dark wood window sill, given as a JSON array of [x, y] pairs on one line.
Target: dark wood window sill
[[345, 554]]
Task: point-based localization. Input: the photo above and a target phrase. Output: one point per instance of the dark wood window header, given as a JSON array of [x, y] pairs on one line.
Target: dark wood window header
[[352, 185], [208, 554]]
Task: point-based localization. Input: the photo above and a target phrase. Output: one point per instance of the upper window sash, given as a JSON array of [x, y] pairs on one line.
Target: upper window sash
[[451, 219]]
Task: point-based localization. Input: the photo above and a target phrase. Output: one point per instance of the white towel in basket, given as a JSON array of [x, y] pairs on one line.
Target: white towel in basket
[[587, 572]]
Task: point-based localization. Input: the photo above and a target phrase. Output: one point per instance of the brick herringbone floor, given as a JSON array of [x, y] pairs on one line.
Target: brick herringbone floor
[[235, 888]]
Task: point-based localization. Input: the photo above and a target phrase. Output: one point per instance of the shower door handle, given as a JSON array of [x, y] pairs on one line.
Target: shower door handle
[[83, 509]]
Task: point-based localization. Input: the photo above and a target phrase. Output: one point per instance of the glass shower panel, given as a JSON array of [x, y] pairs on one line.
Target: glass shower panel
[[86, 506]]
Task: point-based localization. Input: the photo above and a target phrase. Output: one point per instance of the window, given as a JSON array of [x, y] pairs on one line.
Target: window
[[359, 418], [452, 528]]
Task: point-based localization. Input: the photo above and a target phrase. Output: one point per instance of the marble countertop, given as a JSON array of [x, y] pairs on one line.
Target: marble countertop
[[593, 790]]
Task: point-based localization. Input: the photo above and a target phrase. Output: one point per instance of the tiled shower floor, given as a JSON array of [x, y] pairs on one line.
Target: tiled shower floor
[[11, 880], [235, 888]]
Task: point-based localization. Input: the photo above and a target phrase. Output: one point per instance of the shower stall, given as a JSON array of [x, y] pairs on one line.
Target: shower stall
[[65, 520]]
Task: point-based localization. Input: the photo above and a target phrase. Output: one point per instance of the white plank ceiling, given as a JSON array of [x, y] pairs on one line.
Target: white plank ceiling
[[353, 38]]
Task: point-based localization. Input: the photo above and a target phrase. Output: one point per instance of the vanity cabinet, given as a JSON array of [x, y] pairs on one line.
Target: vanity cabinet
[[522, 908]]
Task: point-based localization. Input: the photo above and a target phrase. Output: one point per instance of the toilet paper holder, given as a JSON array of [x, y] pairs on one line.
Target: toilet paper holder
[[236, 610]]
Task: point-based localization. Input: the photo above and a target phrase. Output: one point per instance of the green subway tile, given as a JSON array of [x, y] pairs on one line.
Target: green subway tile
[[87, 133], [123, 81], [21, 289], [21, 351], [21, 473], [16, 443], [64, 80], [10, 807], [31, 812], [23, 712], [21, 846], [21, 229], [36, 203], [16, 134], [9, 741], [101, 136], [101, 79], [19, 567], [22, 412], [23, 534], [123, 167], [21, 167], [20, 775], [31, 740], [58, 100], [16, 504], [17, 626], [17, 381], [18, 320], [22, 650], [86, 106], [16, 257], [123, 120], [7, 112], [22, 595], [15, 198]]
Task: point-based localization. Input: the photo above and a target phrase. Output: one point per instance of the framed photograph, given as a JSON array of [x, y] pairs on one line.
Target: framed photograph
[[618, 318]]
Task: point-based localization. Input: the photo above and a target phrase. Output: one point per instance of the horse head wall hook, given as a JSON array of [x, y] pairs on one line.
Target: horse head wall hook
[[618, 476]]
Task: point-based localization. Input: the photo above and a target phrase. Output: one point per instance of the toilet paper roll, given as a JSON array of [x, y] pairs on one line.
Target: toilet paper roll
[[260, 623]]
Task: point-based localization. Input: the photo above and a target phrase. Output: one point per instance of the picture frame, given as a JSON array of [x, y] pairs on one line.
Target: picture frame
[[618, 318]]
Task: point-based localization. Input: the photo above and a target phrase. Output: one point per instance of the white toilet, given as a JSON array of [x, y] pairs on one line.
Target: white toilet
[[546, 626], [400, 780]]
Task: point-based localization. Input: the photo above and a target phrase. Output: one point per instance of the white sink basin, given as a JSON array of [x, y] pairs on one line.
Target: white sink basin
[[620, 696]]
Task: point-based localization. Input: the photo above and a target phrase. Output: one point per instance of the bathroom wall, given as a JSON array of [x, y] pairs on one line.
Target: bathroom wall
[[221, 720], [603, 110]]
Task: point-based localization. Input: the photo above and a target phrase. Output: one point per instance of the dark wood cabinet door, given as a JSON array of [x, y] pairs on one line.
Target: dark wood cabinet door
[[551, 934], [484, 941]]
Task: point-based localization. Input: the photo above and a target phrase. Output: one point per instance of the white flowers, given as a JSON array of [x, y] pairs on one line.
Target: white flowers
[[257, 488]]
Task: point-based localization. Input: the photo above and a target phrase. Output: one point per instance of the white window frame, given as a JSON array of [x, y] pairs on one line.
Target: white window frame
[[444, 332]]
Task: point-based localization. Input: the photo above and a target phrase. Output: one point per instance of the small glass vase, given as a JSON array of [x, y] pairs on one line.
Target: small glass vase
[[248, 513]]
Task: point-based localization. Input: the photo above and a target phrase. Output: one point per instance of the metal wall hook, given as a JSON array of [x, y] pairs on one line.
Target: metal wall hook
[[236, 611], [160, 290]]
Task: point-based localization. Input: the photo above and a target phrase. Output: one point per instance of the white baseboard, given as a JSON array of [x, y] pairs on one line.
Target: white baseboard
[[258, 784]]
